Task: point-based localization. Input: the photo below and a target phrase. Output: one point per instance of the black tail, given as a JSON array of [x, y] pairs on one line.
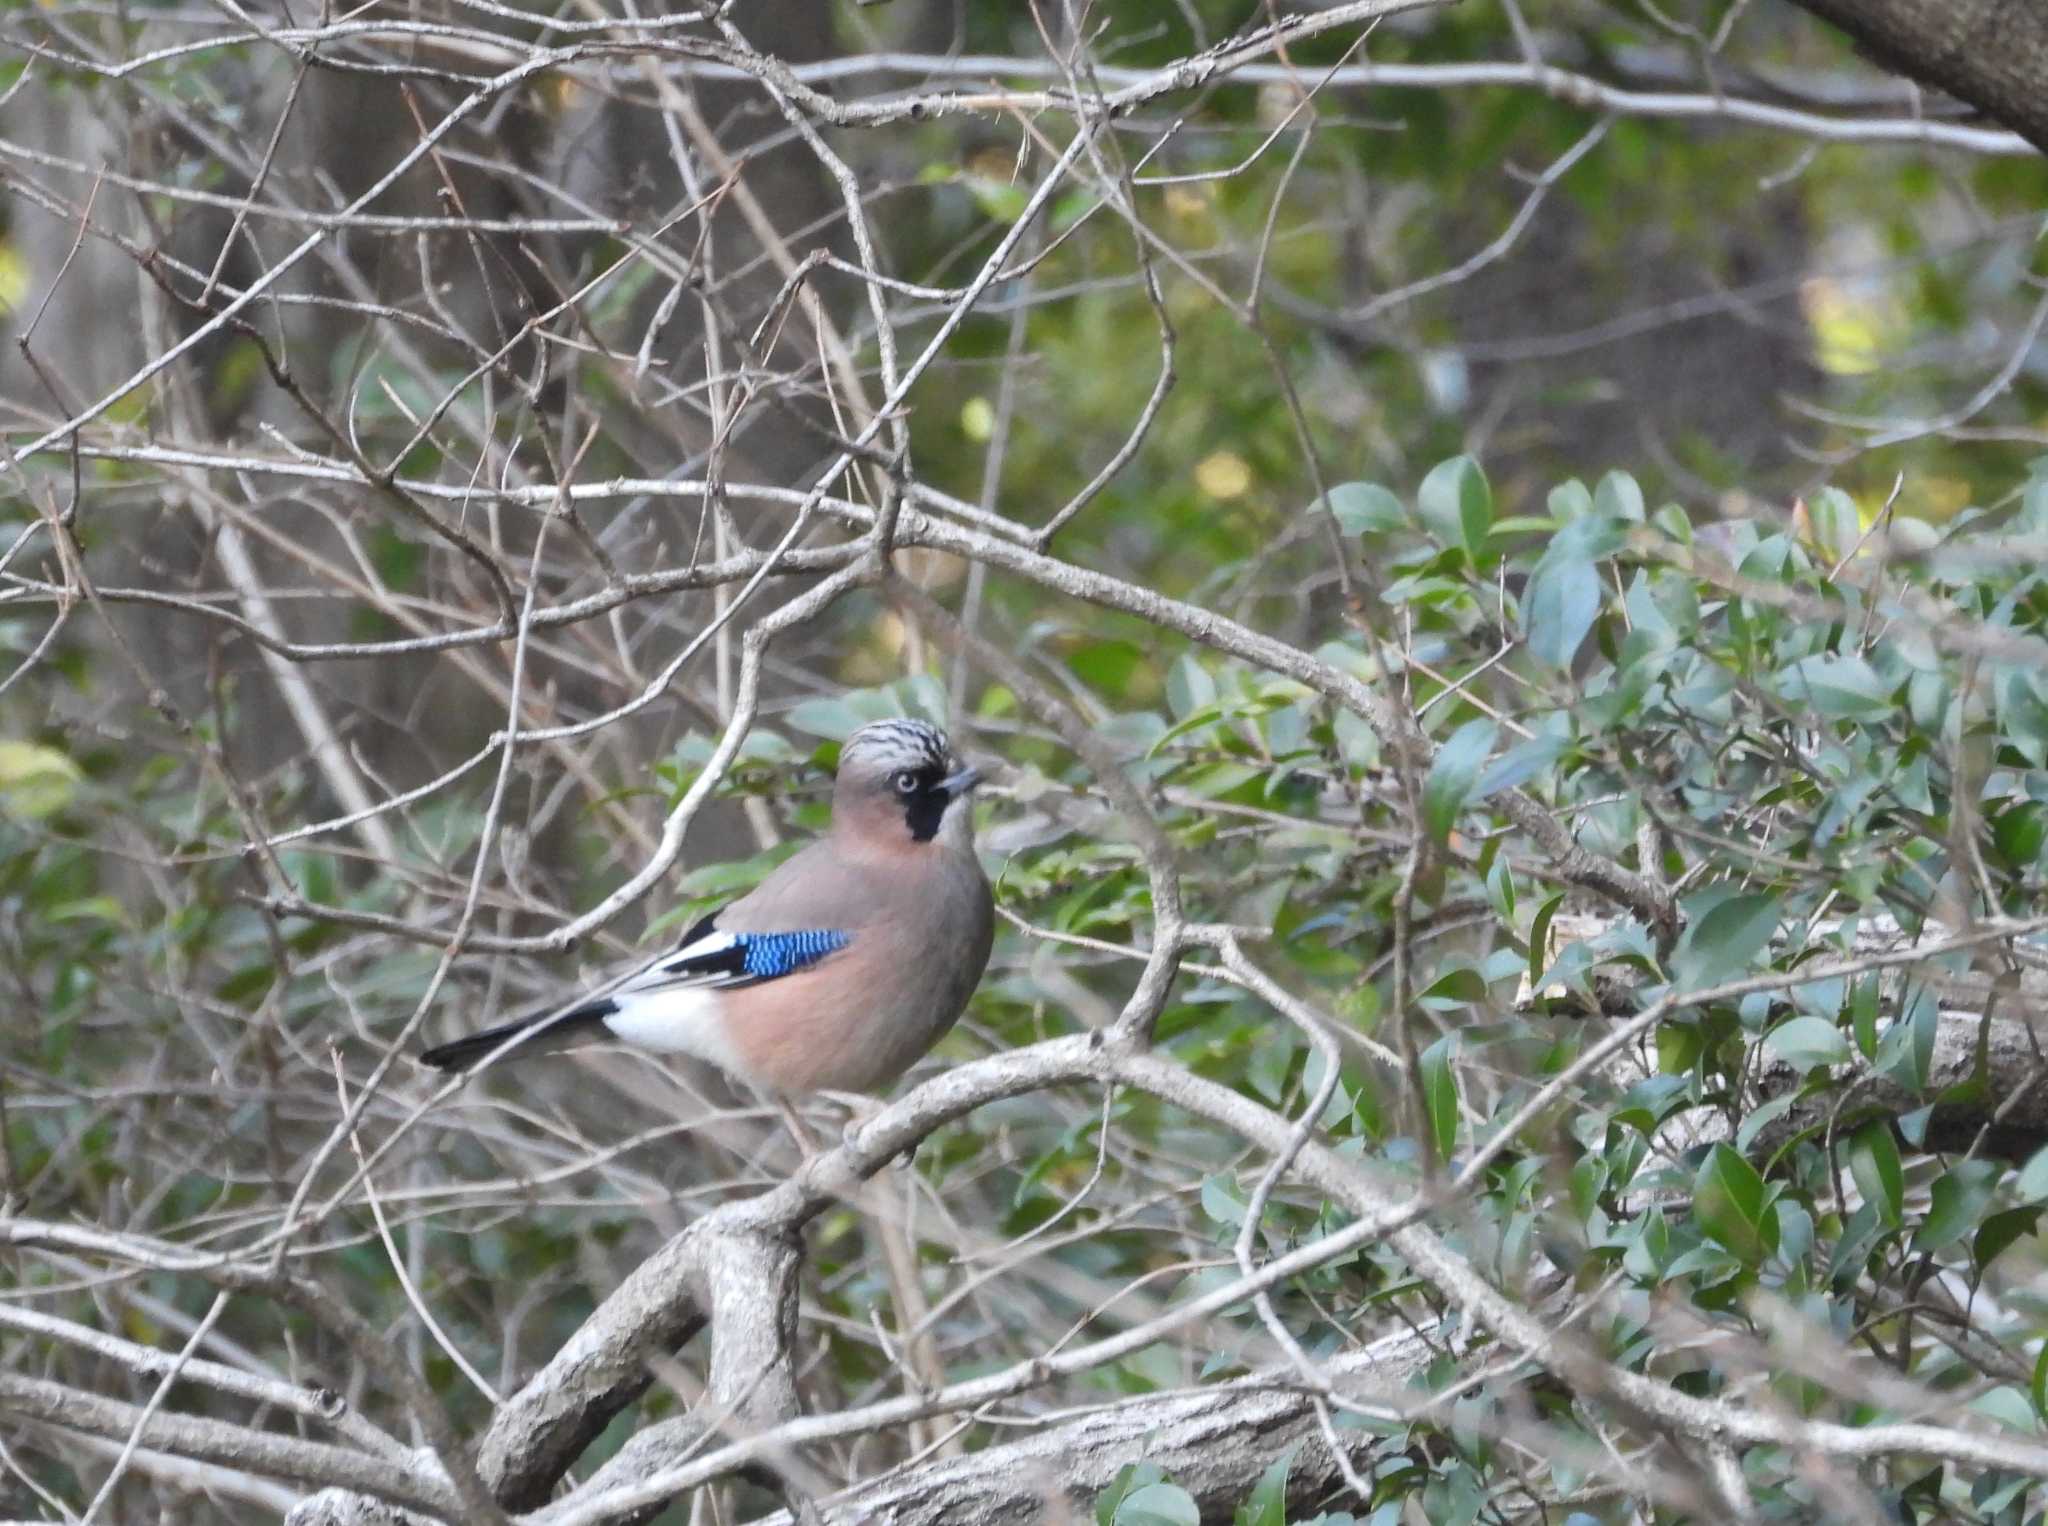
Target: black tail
[[563, 1030]]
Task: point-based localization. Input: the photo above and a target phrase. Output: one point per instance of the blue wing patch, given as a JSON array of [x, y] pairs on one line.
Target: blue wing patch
[[709, 957], [767, 955]]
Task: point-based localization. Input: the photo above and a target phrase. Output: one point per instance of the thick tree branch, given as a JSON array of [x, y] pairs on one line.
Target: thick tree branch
[[416, 1484], [322, 1405], [1215, 1442], [1991, 53]]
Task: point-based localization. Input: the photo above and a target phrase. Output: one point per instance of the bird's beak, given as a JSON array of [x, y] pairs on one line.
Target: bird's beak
[[957, 784]]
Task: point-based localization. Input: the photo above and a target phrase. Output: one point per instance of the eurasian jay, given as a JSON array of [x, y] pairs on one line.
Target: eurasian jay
[[838, 971]]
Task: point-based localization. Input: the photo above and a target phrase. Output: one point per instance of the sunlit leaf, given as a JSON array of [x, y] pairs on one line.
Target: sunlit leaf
[[36, 781]]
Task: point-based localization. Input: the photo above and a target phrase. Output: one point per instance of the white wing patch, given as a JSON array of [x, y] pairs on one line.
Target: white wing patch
[[697, 963], [673, 1020], [675, 1004]]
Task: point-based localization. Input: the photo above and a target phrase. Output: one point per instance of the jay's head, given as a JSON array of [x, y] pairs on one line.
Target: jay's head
[[900, 786]]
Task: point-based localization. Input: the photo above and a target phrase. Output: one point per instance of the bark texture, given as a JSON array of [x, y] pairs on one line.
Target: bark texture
[[1214, 1442], [1990, 53]]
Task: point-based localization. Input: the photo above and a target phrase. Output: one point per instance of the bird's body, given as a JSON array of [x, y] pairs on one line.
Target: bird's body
[[841, 969]]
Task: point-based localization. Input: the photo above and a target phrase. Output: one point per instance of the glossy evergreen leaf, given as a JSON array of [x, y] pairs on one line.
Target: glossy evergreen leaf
[[1364, 508], [1722, 944], [1837, 688], [2001, 1231], [1129, 1480], [1880, 1177], [1453, 774], [1456, 504], [1956, 1204], [1619, 496], [1732, 1204], [1267, 1505], [1161, 1504], [1558, 607], [1440, 1095], [1807, 1042]]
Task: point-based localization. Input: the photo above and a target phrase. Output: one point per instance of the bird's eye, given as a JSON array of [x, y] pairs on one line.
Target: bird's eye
[[906, 783]]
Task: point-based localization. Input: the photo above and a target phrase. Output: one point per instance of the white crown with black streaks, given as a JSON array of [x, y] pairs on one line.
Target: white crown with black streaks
[[887, 746]]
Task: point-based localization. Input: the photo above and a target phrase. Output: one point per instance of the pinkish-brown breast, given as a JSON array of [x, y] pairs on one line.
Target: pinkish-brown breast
[[858, 1020]]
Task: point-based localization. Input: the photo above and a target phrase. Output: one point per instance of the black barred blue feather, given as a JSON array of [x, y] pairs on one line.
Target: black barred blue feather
[[767, 955], [708, 957]]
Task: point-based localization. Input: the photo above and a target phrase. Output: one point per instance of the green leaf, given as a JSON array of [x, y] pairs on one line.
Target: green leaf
[[1805, 1043], [1456, 504], [839, 716], [1559, 607], [1440, 1094], [1906, 1051], [36, 781], [1913, 1126], [1863, 1016], [1453, 774], [1840, 688], [2001, 1230], [1133, 1477], [1679, 1046], [2006, 1406], [2032, 1184], [1732, 1204], [89, 908], [1836, 523], [1268, 1503], [1002, 201], [1795, 1230], [1539, 941], [1159, 1504], [2023, 710], [1955, 1204], [1724, 941], [1874, 1165], [1197, 720], [1569, 500], [1519, 764], [1216, 779], [1762, 1117], [1189, 687], [1459, 987], [1363, 508], [1855, 1245], [1500, 891], [1650, 1249], [1222, 1202], [1108, 665], [1589, 539], [2020, 833], [1620, 496]]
